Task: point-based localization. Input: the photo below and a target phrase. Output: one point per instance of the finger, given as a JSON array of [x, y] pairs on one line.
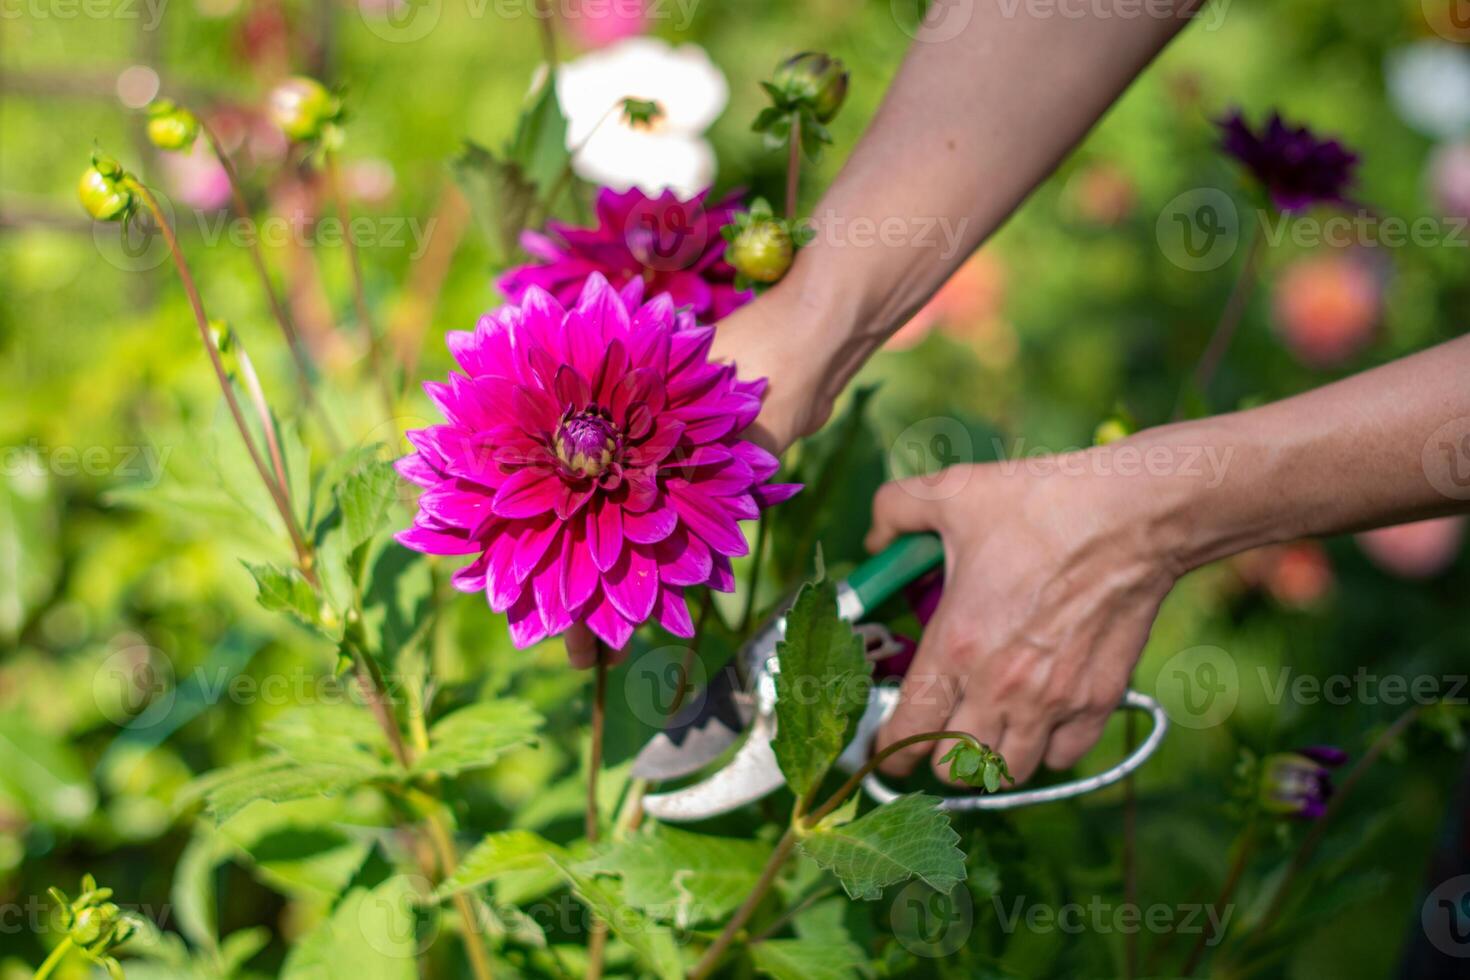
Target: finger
[[898, 508], [1022, 747], [930, 693], [581, 646], [976, 716], [1073, 739]]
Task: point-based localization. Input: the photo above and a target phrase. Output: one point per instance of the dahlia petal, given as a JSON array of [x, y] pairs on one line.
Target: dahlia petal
[[572, 390], [537, 305], [762, 464], [568, 500], [771, 494], [650, 349], [579, 576], [742, 507], [531, 545], [524, 618], [721, 576], [705, 423], [416, 470], [632, 584], [683, 559], [471, 578], [610, 372], [631, 292], [586, 343], [605, 534], [651, 526], [452, 504], [503, 587], [432, 541], [656, 448], [642, 490], [672, 612], [709, 520], [605, 621], [726, 479], [690, 349], [601, 304], [536, 410], [527, 492], [657, 315], [546, 584]]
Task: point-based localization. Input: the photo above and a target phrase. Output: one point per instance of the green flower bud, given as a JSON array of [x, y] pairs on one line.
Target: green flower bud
[[93, 923], [102, 191], [1111, 430], [815, 79], [171, 126], [762, 251], [302, 107]]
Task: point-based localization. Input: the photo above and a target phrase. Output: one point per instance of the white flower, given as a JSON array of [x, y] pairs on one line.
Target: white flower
[[672, 153], [1429, 82]]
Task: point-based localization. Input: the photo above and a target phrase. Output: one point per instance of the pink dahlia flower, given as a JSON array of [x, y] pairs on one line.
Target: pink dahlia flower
[[674, 246], [592, 461]]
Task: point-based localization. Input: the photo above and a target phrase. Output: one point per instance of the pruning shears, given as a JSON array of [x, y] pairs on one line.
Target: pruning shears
[[741, 701]]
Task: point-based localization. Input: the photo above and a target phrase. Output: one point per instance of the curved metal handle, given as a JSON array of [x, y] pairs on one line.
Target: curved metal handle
[[883, 700]]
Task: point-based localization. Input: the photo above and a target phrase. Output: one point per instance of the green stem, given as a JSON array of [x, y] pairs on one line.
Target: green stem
[[57, 955], [597, 941], [728, 935], [305, 370], [544, 15], [757, 554], [856, 779], [1225, 327], [1243, 848]]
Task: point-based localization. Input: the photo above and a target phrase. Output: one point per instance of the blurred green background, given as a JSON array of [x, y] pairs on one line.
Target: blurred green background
[[1075, 311]]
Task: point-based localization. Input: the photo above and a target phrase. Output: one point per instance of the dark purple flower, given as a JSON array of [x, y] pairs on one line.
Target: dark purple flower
[[1296, 168], [1299, 784]]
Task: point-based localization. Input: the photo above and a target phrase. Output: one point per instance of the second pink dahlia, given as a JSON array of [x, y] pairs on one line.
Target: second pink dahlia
[[591, 461]]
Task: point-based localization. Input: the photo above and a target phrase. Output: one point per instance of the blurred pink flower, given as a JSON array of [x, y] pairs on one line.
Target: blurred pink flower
[[196, 178], [600, 22], [966, 304], [1326, 308], [1422, 549], [1449, 179], [1298, 574], [1101, 194], [370, 181], [591, 462]]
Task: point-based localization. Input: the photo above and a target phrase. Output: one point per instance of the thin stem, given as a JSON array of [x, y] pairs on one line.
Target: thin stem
[[548, 33], [856, 779], [359, 292], [57, 955], [793, 167], [305, 370], [1230, 317], [298, 541], [263, 412], [791, 913], [597, 941], [757, 555], [716, 949], [474, 943], [1243, 848], [1319, 829]]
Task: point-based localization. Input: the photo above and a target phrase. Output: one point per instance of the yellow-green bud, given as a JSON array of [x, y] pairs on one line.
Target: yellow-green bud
[[171, 126], [302, 107], [762, 252], [1111, 430], [815, 78], [102, 191]]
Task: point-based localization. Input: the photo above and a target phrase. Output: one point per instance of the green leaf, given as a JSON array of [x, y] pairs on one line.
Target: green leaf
[[653, 943], [193, 891], [500, 853], [677, 876], [277, 778], [821, 690], [499, 195], [976, 765], [369, 936], [366, 498], [893, 843], [807, 959], [286, 590], [476, 736], [539, 146]]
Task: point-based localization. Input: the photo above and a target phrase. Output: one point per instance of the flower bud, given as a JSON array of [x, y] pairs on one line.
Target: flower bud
[[1299, 784], [302, 107], [93, 923], [762, 252], [1111, 429], [816, 79], [102, 191], [171, 126]]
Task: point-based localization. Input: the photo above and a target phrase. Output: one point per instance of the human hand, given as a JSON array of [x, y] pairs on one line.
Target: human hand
[[1052, 582]]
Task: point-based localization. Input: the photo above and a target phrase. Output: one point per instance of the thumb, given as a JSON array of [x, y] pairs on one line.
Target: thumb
[[902, 507]]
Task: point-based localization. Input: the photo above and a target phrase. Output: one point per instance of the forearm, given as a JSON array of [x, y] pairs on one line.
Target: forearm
[[969, 127], [1363, 452]]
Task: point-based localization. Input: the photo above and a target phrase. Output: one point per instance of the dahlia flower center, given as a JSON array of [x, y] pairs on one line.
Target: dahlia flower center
[[585, 443]]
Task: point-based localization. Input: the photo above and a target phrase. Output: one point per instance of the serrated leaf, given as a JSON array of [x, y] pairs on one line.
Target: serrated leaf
[[277, 778], [895, 842], [500, 853], [539, 146], [653, 943], [677, 876], [807, 959], [822, 687], [369, 936], [285, 590], [476, 736], [366, 497]]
